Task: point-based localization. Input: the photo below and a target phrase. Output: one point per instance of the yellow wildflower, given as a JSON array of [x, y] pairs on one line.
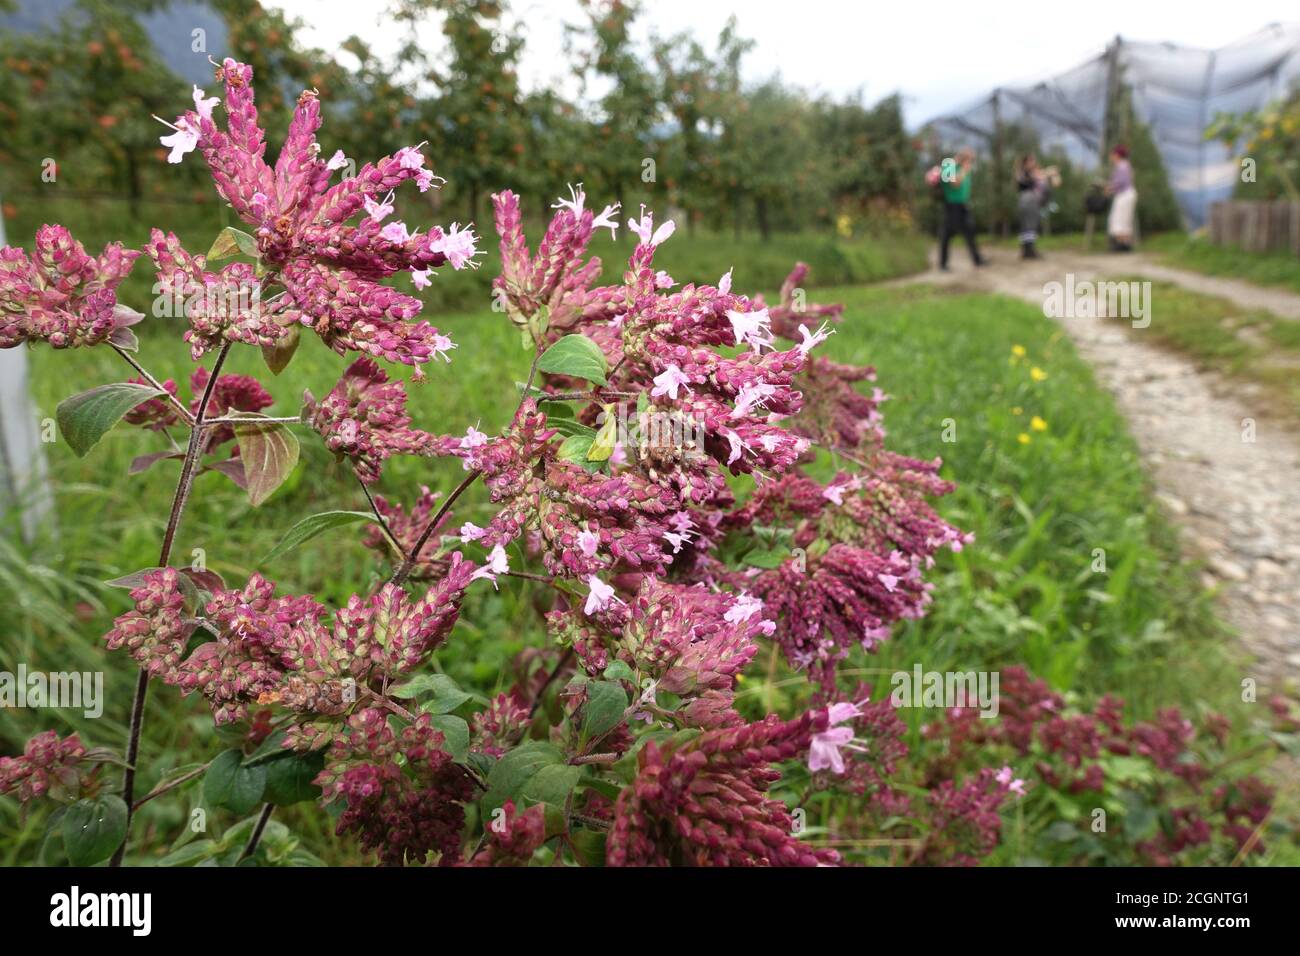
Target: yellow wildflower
[[1037, 374], [1037, 424], [1023, 438]]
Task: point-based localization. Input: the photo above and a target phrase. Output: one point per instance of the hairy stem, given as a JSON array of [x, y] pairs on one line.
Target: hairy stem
[[258, 420], [404, 569], [198, 439], [144, 373]]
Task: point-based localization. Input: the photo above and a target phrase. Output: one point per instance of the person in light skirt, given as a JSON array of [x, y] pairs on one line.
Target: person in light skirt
[[1123, 201]]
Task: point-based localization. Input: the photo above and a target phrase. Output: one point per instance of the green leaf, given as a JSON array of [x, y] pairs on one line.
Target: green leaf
[[575, 448], [768, 558], [576, 356], [289, 779], [280, 353], [438, 692], [588, 846], [190, 853], [269, 452], [270, 748], [568, 427], [231, 241], [620, 670], [551, 784], [93, 829], [515, 769], [84, 419], [312, 525], [455, 734], [231, 784], [606, 702], [603, 445]]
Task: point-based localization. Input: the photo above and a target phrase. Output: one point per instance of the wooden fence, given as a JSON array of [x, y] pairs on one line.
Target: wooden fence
[[1256, 225]]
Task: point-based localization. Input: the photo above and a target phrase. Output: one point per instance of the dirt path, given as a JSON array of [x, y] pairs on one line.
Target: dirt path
[[1237, 500]]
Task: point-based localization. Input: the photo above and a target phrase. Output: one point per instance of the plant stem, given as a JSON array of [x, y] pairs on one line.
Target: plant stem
[[532, 374], [594, 758], [388, 702], [550, 679], [404, 569], [383, 523], [844, 454], [198, 438], [170, 785], [258, 420], [144, 373], [192, 454], [595, 395], [529, 576], [258, 830]]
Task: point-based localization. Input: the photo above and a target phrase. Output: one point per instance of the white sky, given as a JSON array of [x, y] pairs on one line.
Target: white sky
[[938, 54]]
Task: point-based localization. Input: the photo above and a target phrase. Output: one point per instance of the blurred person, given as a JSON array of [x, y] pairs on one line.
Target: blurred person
[[1033, 187], [1123, 203], [956, 209]]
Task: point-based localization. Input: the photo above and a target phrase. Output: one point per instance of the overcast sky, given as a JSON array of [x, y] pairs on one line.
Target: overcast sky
[[939, 55]]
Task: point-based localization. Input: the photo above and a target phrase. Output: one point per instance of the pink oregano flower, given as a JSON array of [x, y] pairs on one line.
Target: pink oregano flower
[[330, 269]]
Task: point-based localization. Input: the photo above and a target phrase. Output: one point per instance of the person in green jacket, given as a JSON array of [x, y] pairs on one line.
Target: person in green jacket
[[956, 182]]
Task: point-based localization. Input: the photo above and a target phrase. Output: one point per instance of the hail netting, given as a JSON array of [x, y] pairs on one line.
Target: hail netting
[[1170, 92]]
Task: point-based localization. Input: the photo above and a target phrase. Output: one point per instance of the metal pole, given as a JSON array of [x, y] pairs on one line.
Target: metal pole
[[22, 460], [999, 220]]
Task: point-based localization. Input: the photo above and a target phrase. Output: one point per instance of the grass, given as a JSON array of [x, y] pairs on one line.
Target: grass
[[1251, 345], [1200, 255], [1025, 592]]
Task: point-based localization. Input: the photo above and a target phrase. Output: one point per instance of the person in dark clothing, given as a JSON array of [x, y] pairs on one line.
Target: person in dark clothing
[[1033, 186], [956, 208]]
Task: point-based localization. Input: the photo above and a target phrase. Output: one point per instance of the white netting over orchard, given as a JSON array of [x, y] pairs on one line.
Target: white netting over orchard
[[1173, 91]]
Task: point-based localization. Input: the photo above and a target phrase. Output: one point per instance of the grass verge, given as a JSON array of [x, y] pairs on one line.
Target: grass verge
[[1200, 255]]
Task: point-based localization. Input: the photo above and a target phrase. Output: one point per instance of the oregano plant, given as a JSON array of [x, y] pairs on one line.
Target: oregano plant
[[654, 477]]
